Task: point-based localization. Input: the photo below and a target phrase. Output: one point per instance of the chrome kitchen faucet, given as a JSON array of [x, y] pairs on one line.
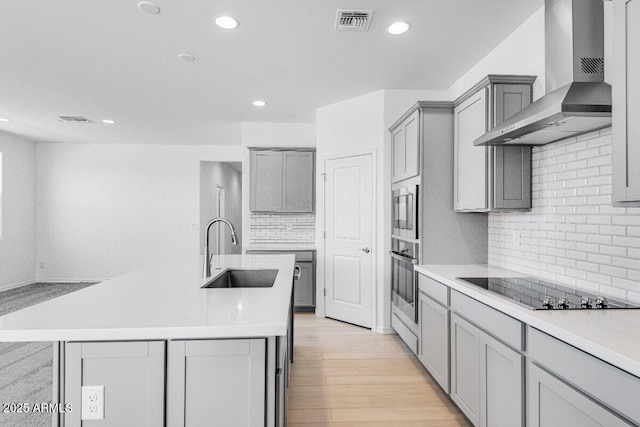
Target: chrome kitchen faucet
[[206, 269]]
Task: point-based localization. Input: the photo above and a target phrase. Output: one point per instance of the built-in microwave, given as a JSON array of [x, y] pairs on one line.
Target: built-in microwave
[[405, 212]]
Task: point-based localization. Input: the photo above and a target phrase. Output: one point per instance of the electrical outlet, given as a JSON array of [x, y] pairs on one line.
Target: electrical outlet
[[516, 240], [93, 402]]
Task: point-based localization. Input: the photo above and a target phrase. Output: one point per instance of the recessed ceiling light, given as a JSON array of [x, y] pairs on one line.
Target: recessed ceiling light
[[2, 119], [108, 121], [226, 22], [187, 57], [399, 27], [149, 7], [259, 103]]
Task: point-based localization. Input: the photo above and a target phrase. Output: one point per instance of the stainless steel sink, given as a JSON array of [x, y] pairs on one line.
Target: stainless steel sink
[[243, 278]]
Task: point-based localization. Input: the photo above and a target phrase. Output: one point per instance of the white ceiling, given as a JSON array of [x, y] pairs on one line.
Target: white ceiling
[[106, 59]]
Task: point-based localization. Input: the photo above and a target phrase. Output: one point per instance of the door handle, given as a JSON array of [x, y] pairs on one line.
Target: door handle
[[297, 272], [365, 250]]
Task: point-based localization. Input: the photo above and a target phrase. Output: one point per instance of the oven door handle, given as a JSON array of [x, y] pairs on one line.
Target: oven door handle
[[403, 257]]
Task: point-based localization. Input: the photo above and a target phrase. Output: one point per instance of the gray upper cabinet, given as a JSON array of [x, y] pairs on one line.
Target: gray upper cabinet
[[297, 181], [282, 181], [626, 100], [405, 148], [491, 178], [266, 181]]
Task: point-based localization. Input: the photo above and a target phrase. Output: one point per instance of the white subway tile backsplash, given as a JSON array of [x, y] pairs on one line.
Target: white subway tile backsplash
[[573, 235], [282, 228]]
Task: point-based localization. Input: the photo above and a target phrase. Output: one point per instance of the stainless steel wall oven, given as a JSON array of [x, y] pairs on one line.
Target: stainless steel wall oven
[[404, 255]]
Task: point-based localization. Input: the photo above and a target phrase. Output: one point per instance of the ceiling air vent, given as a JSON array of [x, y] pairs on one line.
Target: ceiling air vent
[[592, 65], [353, 20], [75, 119]]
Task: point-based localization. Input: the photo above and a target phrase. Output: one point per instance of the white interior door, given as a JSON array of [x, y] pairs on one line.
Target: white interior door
[[348, 242]]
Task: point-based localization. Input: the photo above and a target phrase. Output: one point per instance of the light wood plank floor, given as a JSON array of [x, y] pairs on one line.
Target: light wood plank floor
[[344, 375]]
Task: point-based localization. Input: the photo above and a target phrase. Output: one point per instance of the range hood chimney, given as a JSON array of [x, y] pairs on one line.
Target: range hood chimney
[[577, 99]]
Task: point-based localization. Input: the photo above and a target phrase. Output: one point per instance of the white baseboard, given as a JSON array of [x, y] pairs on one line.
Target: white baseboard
[[16, 285], [385, 331], [55, 281]]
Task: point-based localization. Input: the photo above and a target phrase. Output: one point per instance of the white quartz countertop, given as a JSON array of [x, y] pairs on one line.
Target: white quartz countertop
[[280, 247], [161, 302], [612, 335]]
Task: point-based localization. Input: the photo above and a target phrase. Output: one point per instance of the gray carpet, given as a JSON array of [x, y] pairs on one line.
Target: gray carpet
[[26, 369]]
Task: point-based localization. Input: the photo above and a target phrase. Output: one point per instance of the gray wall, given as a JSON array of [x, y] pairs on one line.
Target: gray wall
[[17, 210], [213, 174]]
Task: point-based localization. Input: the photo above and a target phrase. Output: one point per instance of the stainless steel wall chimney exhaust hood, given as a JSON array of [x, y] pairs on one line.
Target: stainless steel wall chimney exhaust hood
[[577, 100]]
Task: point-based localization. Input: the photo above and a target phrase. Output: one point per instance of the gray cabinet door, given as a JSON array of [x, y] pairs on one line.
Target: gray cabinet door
[[266, 181], [216, 382], [552, 403], [397, 153], [501, 384], [412, 145], [303, 287], [465, 367], [297, 187], [132, 374], [405, 148], [471, 165], [433, 347], [626, 100], [512, 165], [486, 377]]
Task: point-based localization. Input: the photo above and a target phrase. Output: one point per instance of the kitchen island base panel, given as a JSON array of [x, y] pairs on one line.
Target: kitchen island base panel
[[133, 376], [224, 379]]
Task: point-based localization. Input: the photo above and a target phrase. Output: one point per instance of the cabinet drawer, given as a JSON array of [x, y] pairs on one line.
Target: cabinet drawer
[[612, 386], [503, 327], [433, 289], [405, 333]]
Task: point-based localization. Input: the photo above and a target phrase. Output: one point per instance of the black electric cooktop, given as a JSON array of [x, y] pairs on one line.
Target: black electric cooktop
[[538, 294]]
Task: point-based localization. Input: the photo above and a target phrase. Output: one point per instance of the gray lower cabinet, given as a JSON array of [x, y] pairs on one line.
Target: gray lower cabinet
[[303, 289], [433, 344], [501, 384], [465, 368], [626, 100], [553, 403], [282, 181], [133, 376], [486, 377], [571, 388], [491, 178], [216, 382]]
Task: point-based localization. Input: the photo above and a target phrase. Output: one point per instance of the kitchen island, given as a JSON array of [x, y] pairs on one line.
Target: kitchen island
[[166, 350]]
